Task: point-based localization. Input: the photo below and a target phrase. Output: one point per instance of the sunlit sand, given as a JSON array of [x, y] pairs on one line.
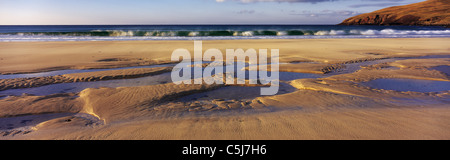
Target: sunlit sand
[[327, 95]]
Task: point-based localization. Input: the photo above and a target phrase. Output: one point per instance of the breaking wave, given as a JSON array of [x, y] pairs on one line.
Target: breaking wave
[[121, 33], [103, 35]]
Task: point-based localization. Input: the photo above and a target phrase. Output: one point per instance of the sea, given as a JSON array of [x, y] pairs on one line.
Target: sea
[[31, 33]]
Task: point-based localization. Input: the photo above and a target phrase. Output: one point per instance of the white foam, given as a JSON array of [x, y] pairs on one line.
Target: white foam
[[194, 35], [405, 32], [247, 33], [281, 33]]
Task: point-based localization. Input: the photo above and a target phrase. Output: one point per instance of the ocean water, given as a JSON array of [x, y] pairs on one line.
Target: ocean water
[[9, 33]]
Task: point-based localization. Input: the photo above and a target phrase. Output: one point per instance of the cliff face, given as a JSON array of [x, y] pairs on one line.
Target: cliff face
[[427, 13]]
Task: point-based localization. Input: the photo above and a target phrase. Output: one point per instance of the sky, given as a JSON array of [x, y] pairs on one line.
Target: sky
[[78, 12]]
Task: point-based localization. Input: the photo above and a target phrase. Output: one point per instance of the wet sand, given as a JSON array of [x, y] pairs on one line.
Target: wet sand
[[28, 57], [335, 104], [81, 77]]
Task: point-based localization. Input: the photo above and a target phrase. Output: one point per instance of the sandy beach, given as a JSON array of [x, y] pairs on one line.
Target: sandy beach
[[329, 91]]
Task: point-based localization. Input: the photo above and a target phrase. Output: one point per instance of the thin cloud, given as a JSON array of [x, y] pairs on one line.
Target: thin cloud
[[301, 1], [325, 13], [385, 0], [246, 12], [375, 5], [291, 1]]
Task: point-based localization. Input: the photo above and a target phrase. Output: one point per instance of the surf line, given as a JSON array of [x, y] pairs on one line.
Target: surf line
[[214, 72], [199, 150]]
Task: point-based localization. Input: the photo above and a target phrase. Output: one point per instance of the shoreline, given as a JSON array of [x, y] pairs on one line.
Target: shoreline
[[117, 54], [231, 39], [183, 40]]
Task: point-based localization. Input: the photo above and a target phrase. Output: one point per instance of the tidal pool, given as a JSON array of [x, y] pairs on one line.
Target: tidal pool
[[414, 85], [443, 69]]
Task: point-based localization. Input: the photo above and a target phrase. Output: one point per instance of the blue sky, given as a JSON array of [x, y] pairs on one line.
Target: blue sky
[[42, 12]]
